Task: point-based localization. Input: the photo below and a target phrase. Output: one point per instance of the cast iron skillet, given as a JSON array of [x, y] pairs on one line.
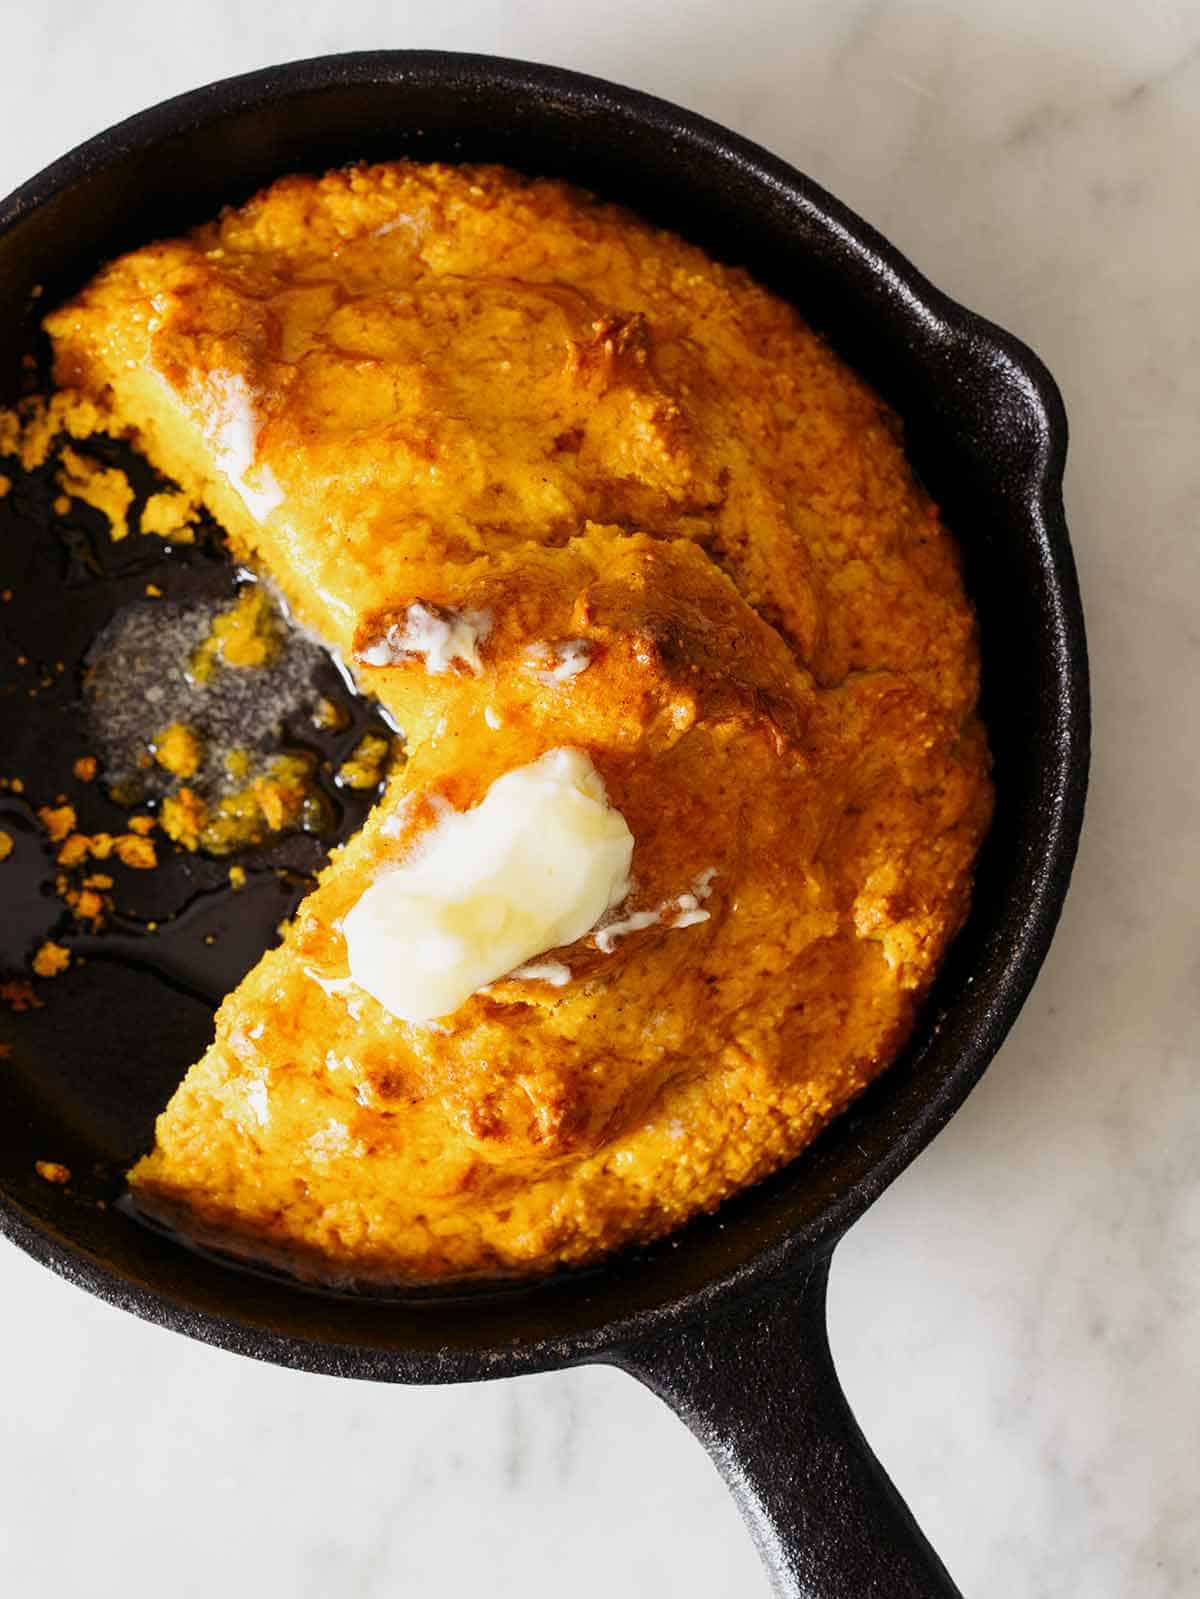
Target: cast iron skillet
[[726, 1321]]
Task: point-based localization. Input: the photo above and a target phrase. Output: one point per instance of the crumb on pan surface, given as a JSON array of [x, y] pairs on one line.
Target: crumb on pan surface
[[52, 1171], [453, 393]]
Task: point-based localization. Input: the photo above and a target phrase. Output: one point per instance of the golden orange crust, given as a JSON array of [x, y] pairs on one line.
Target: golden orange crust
[[441, 362], [461, 389]]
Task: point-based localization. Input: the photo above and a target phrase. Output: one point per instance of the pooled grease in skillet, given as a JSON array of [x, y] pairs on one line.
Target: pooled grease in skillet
[[66, 591]]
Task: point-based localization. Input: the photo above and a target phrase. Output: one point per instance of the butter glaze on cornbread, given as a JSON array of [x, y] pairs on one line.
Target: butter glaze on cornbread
[[420, 392]]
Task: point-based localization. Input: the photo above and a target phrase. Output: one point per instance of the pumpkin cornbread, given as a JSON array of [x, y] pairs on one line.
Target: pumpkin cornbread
[[549, 479]]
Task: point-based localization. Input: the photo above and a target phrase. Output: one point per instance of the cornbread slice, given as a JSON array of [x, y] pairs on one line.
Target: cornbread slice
[[545, 476]]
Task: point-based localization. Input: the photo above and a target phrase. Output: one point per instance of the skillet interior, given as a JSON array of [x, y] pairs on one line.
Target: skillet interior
[[985, 430]]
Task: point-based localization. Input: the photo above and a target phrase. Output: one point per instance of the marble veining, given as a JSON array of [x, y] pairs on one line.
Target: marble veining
[[1017, 1320]]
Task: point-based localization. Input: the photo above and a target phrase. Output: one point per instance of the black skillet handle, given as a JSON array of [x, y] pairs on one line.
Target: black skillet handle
[[758, 1388]]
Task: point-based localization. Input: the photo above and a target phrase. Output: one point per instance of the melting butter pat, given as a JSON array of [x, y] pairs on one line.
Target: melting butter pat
[[534, 866]]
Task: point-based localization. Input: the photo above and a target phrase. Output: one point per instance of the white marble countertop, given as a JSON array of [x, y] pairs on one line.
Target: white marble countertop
[[1017, 1321]]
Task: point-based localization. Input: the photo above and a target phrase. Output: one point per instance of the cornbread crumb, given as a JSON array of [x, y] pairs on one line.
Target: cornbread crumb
[[52, 1171], [237, 877], [142, 824], [153, 591], [106, 488], [271, 798], [247, 634], [57, 820], [87, 905], [178, 750], [367, 762], [131, 849], [328, 716], [268, 804], [85, 768], [30, 430], [51, 959], [74, 851], [138, 853], [5, 485], [171, 516], [6, 845], [183, 816]]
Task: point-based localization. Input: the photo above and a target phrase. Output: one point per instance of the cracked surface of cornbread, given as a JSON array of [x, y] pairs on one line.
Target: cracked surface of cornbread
[[418, 394]]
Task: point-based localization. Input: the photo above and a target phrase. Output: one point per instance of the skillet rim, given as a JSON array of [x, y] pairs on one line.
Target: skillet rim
[[1041, 887]]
